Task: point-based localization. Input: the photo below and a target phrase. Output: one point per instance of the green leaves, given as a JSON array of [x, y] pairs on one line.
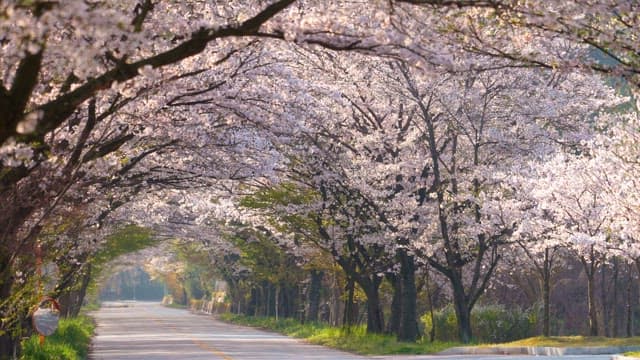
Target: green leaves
[[128, 239]]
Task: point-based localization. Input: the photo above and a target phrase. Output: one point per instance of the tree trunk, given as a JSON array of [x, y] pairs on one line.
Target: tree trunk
[[252, 308], [75, 298], [603, 300], [313, 295], [408, 314], [349, 311], [461, 305], [629, 307], [614, 309], [393, 327], [375, 320], [83, 288], [8, 342], [337, 306], [591, 298], [546, 294], [432, 331], [277, 300]]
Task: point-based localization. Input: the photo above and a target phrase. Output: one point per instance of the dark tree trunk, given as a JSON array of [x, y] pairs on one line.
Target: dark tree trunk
[[590, 267], [252, 308], [408, 315], [432, 331], [463, 311], [349, 318], [591, 299], [8, 343], [265, 298], [375, 320], [393, 327], [82, 293], [614, 308], [276, 297], [313, 295], [546, 294], [71, 301], [603, 300], [629, 329]]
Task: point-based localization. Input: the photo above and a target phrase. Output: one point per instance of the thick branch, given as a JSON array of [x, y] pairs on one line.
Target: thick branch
[[15, 101], [56, 111]]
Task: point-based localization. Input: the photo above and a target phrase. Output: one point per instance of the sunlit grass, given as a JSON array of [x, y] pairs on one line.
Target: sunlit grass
[[633, 354], [354, 339], [70, 341], [571, 341]]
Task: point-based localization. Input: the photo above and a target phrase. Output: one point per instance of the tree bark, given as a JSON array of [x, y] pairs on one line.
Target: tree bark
[[8, 343], [393, 326], [591, 298], [408, 314], [375, 319], [603, 300], [629, 329], [546, 294], [615, 315], [277, 300], [432, 331], [313, 295], [349, 318], [463, 312]]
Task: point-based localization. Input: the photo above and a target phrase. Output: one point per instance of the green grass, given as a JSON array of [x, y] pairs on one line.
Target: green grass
[[93, 306], [70, 341], [570, 341], [354, 339], [633, 354]]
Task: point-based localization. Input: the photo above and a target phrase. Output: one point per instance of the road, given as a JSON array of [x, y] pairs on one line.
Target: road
[[150, 331]]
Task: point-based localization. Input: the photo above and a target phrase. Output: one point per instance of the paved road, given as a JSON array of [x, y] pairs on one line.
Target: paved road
[[149, 331]]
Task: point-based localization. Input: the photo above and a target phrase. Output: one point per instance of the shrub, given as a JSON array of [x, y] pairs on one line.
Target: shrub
[[355, 339], [70, 341], [493, 323]]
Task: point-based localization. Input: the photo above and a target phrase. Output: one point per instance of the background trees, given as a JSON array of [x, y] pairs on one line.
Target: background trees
[[409, 138]]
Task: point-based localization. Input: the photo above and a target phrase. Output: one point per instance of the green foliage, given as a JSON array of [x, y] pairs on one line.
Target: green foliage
[[283, 194], [199, 277], [70, 342], [126, 240], [353, 339], [92, 306], [490, 324]]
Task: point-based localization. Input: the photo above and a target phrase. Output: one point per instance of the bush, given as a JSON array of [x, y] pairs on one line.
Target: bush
[[492, 324], [355, 339], [70, 341]]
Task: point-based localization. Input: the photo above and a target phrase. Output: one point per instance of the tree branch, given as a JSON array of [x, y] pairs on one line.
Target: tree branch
[[56, 111]]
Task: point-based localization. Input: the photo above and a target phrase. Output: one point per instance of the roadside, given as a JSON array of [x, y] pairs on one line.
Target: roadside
[[70, 341], [356, 340]]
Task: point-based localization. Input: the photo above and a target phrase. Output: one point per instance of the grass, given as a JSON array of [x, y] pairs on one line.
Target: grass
[[93, 306], [353, 339], [571, 341], [633, 354], [70, 341]]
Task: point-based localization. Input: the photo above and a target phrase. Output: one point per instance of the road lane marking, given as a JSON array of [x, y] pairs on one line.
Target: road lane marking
[[204, 346]]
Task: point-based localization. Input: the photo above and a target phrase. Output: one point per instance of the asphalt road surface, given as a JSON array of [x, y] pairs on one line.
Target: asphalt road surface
[[150, 331]]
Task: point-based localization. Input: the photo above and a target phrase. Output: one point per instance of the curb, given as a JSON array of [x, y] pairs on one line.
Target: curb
[[541, 350]]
